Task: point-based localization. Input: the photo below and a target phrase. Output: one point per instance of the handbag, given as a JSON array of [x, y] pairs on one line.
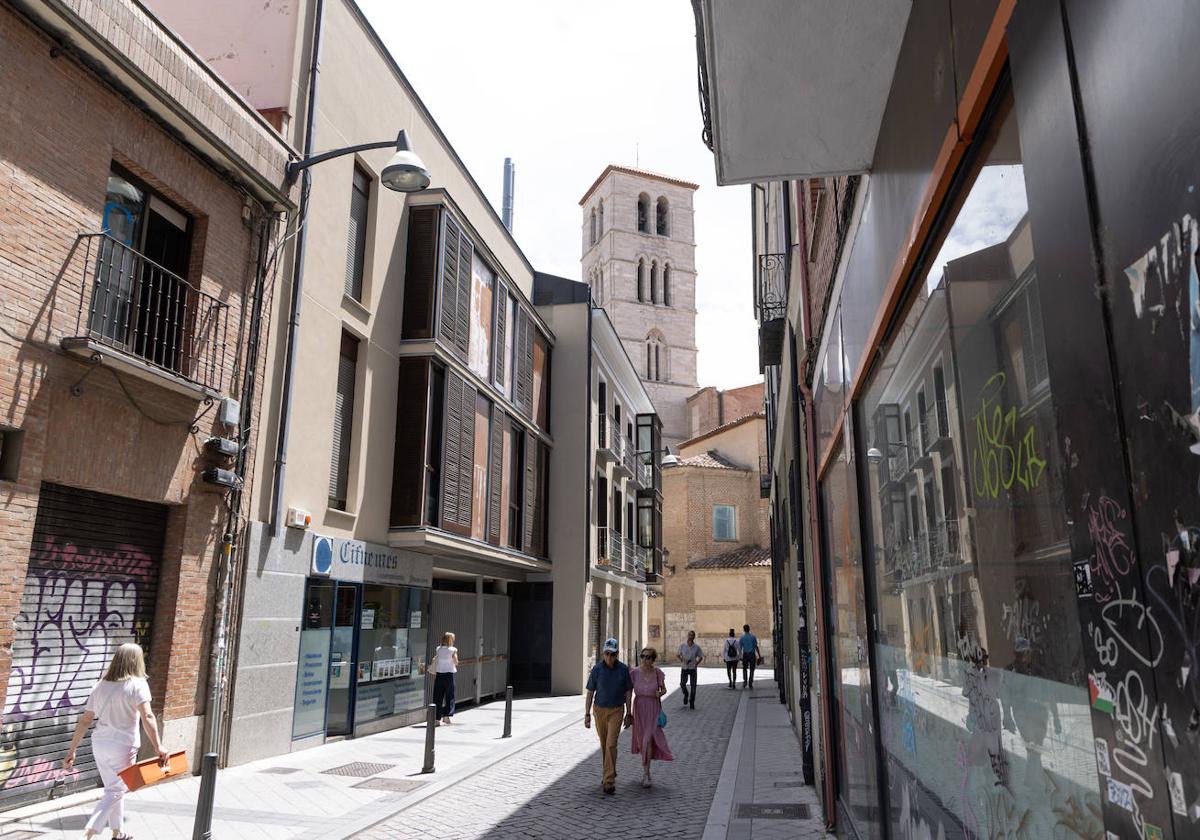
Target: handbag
[[150, 772], [662, 718]]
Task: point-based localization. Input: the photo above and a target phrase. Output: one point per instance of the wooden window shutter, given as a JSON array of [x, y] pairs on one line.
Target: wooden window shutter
[[524, 372], [531, 492], [497, 475], [448, 304], [498, 360], [420, 273], [408, 464], [451, 449], [466, 456], [356, 242], [462, 313], [343, 422]]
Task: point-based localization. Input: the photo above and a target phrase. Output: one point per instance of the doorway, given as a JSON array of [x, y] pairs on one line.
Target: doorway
[[343, 659]]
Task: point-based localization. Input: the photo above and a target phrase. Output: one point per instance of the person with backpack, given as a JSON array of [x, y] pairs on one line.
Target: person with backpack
[[751, 656], [731, 653]]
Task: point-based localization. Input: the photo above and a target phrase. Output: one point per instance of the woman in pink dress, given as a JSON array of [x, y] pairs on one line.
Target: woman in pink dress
[[649, 741]]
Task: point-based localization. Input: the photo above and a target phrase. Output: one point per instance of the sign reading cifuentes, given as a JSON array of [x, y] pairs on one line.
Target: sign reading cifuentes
[[360, 562]]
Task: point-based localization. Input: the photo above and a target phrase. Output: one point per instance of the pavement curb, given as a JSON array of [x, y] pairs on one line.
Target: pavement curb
[[386, 809], [49, 806], [719, 813]]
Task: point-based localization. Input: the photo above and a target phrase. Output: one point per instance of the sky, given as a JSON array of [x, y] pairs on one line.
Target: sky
[[564, 89]]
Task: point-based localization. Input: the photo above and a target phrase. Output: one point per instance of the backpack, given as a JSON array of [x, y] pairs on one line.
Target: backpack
[[731, 649]]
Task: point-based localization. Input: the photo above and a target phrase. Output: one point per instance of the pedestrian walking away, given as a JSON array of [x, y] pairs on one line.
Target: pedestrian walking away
[[649, 685], [691, 656], [117, 704], [751, 656], [609, 693], [444, 668], [731, 653]]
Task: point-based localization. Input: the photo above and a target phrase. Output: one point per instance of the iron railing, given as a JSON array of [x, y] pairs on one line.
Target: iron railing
[[898, 461], [640, 559], [628, 458], [602, 552], [134, 305], [771, 287]]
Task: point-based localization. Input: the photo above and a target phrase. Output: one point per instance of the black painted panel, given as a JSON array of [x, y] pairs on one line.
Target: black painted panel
[[970, 20]]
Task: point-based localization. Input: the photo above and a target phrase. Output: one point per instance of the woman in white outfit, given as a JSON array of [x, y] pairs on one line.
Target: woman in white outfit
[[117, 703], [445, 666]]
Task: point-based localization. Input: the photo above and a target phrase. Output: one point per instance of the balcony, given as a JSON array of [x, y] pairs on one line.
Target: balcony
[[603, 553], [641, 561], [643, 473], [770, 307], [608, 440], [141, 317], [898, 465], [944, 546], [622, 450], [936, 428]]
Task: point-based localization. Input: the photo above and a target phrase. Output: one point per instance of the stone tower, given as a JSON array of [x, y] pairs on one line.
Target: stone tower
[[639, 257]]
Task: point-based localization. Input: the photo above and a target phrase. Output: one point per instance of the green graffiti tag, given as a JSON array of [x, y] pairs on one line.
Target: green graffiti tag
[[1001, 456]]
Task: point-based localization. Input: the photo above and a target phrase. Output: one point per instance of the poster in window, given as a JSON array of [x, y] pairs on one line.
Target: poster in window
[[479, 352]]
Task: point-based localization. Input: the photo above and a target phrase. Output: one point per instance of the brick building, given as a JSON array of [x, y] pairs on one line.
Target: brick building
[[139, 199], [717, 569], [710, 407]]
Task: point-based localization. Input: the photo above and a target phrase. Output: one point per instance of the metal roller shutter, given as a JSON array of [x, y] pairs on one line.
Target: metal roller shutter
[[91, 586]]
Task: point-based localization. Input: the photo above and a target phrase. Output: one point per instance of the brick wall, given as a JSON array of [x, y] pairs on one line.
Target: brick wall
[[822, 200], [61, 129], [709, 408]]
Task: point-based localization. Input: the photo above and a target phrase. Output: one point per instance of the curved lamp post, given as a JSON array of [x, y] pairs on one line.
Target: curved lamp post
[[405, 172]]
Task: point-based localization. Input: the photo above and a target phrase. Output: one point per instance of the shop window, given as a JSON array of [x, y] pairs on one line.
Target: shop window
[[343, 422], [724, 518], [393, 638], [982, 608]]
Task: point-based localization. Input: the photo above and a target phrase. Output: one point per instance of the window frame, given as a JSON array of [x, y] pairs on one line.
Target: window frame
[[733, 522]]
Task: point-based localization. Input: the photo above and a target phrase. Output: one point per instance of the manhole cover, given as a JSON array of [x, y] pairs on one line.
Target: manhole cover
[[759, 811], [362, 769], [392, 785], [280, 771]]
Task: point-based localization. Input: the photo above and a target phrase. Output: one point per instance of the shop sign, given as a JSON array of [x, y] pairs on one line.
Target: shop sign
[[360, 562]]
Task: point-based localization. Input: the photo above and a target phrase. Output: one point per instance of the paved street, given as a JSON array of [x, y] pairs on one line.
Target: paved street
[[735, 751]]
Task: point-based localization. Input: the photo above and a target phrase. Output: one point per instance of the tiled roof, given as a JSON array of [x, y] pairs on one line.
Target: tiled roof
[[745, 418], [643, 173], [742, 558], [711, 460]]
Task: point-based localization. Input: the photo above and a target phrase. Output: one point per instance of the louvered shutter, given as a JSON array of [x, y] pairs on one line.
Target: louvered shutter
[[531, 494], [524, 371], [343, 422], [356, 242], [420, 272], [496, 478], [448, 303], [408, 465], [462, 312], [91, 585], [451, 448], [466, 456], [498, 360]]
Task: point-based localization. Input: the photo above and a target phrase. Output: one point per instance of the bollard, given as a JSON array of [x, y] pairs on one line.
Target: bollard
[[202, 827], [507, 713], [430, 725]]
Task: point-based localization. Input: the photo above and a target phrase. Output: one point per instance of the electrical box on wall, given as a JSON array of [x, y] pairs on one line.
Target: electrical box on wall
[[298, 518], [229, 411]]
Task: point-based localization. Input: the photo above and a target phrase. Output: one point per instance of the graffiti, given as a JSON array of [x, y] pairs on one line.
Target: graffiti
[[981, 688], [1001, 456], [1146, 623], [84, 604], [1113, 558], [1006, 818], [1023, 619], [913, 826], [970, 650]]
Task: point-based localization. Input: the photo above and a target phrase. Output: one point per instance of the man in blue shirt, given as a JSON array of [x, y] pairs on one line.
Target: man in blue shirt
[[750, 655], [611, 687]]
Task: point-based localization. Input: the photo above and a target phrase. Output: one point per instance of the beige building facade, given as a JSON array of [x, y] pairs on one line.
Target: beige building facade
[[639, 258]]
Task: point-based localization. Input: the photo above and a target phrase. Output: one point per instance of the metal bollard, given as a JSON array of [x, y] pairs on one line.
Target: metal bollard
[[202, 827], [507, 712], [430, 726]]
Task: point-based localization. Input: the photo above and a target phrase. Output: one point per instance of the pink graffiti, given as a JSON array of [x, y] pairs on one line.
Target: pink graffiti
[[1113, 558], [40, 772], [123, 560]]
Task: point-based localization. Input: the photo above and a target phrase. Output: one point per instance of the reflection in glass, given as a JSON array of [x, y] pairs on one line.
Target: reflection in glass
[[983, 712]]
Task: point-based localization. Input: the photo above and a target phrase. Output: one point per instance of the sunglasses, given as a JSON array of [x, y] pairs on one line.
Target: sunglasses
[[647, 656], [610, 653]]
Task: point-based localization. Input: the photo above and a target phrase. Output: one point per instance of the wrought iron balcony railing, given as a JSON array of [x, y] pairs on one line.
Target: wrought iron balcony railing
[[131, 304], [603, 557], [771, 287]]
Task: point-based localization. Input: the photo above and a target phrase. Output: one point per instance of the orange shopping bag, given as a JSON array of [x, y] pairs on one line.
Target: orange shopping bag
[[150, 771]]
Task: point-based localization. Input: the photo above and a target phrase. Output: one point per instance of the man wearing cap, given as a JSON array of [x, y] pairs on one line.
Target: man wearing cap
[[611, 687]]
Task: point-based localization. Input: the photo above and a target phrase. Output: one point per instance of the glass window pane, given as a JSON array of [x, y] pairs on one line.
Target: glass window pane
[[479, 353], [392, 641], [982, 694]]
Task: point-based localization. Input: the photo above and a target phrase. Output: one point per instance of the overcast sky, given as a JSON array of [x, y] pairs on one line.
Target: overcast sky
[[564, 89]]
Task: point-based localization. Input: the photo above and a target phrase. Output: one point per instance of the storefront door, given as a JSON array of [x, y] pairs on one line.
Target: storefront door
[[343, 659]]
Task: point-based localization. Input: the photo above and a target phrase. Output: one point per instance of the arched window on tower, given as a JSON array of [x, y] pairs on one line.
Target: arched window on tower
[[593, 240], [656, 357], [663, 217], [641, 281], [600, 220], [643, 213], [666, 285], [655, 297]]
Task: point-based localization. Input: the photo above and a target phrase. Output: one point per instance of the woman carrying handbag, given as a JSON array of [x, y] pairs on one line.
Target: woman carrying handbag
[[117, 704], [649, 741]]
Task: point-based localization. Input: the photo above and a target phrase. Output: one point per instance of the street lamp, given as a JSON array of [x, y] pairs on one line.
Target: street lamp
[[874, 455], [405, 172]]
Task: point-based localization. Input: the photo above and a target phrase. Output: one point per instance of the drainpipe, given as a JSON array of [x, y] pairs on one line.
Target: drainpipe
[[289, 369], [817, 587]]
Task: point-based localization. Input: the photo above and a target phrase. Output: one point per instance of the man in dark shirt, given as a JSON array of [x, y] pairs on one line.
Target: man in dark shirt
[[611, 687]]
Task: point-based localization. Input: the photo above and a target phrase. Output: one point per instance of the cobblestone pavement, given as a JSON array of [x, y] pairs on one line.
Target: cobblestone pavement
[[552, 789]]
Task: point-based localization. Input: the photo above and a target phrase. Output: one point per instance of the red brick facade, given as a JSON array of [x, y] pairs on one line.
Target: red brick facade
[[92, 427]]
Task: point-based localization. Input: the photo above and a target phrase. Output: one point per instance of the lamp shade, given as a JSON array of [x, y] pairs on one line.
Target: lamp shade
[[405, 172]]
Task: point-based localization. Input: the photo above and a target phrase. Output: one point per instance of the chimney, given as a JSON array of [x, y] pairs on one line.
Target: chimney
[[510, 174]]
